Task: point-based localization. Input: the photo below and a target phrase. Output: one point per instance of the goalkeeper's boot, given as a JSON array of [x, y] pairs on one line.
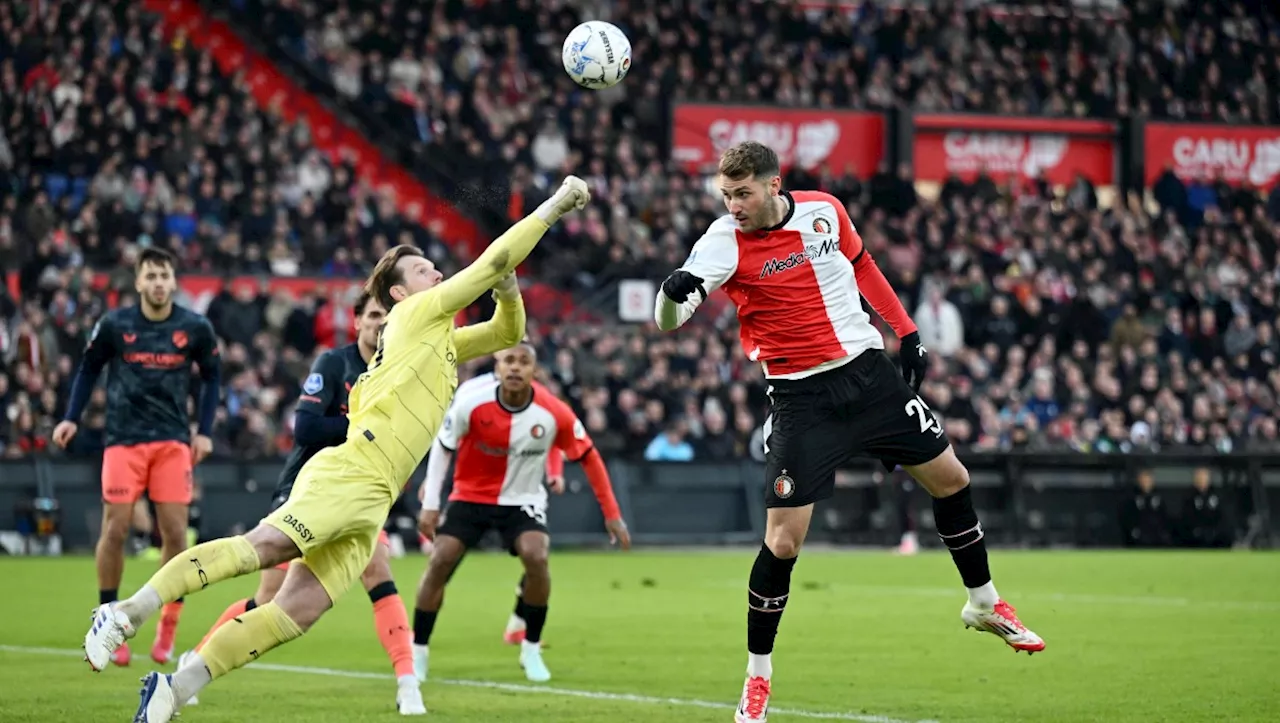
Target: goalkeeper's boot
[[754, 705], [110, 629], [157, 702], [531, 660], [1003, 621]]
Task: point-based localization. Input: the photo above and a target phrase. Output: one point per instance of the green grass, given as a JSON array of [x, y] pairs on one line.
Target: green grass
[[1132, 637]]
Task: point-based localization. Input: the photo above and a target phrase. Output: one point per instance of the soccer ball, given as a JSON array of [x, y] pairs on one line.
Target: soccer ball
[[597, 55]]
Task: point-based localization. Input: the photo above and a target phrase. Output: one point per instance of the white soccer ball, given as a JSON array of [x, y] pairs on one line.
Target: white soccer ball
[[597, 55]]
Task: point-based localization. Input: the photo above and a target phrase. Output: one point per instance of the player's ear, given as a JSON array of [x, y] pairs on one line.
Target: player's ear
[[775, 185]]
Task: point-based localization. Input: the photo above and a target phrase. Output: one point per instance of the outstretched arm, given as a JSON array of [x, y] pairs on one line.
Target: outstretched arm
[[508, 251]]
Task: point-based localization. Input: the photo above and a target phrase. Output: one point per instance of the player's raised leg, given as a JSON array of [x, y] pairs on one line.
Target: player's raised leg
[[169, 486], [302, 600], [533, 548], [392, 624], [947, 481], [446, 555], [269, 583], [201, 566]]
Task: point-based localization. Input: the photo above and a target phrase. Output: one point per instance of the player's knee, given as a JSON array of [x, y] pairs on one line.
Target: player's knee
[[535, 560], [376, 575], [115, 528], [272, 545], [173, 533], [783, 546]]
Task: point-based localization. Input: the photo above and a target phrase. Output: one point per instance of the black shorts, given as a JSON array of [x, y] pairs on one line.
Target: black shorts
[[469, 521], [819, 423]]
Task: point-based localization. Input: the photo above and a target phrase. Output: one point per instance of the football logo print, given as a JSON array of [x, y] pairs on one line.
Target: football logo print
[[180, 339], [784, 486], [822, 226], [313, 384], [537, 431]]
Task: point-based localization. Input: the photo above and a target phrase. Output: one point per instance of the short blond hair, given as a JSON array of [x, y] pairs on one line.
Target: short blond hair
[[749, 159], [387, 274]]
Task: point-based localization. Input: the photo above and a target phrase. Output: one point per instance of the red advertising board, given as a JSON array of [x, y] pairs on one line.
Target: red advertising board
[[1021, 148], [807, 138], [1240, 155]]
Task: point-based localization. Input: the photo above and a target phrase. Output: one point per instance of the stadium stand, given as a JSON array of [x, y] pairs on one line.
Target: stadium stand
[[1053, 323]]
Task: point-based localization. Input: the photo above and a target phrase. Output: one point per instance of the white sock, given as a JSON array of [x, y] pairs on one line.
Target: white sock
[[407, 681], [984, 597], [526, 646], [143, 604], [422, 648], [190, 679], [515, 622], [760, 666]]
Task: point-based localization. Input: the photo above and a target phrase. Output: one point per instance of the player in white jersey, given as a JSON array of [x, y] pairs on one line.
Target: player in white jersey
[[502, 431], [517, 626], [797, 271]]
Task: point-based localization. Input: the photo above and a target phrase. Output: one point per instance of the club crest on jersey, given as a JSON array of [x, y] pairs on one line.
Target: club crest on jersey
[[313, 384], [784, 486], [537, 431], [821, 225], [180, 339]]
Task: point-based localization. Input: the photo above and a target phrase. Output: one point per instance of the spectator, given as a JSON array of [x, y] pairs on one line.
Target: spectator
[[941, 327], [670, 445]]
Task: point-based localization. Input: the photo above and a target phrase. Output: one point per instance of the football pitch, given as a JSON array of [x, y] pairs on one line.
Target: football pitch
[[659, 637]]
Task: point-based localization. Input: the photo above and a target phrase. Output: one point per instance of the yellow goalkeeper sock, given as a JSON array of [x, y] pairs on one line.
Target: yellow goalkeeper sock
[[246, 638], [204, 565]]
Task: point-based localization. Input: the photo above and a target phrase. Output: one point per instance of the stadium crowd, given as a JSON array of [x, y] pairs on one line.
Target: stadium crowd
[[1051, 323]]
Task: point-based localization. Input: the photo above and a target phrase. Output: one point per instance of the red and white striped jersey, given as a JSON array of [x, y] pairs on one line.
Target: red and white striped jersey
[[502, 453], [794, 285]]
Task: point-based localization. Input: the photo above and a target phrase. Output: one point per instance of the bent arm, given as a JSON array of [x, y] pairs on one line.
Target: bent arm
[[714, 259], [503, 331], [501, 258]]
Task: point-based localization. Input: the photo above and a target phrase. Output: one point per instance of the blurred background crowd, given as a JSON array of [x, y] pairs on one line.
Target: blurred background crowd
[[1052, 323]]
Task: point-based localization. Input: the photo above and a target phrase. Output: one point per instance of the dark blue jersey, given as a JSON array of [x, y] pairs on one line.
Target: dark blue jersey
[[149, 366], [321, 417]]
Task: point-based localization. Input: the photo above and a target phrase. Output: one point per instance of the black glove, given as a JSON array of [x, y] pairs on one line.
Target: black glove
[[915, 360], [680, 284]]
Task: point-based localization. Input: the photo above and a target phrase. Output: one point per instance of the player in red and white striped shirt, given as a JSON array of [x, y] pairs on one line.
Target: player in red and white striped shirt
[[798, 271], [502, 431]]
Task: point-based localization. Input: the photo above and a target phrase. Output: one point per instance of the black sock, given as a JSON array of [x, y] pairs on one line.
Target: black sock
[[520, 606], [108, 596], [961, 532], [535, 617], [423, 623], [381, 590], [250, 604], [767, 592]]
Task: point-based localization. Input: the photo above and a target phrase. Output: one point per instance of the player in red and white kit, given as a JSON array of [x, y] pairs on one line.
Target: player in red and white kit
[[502, 432], [797, 271]]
